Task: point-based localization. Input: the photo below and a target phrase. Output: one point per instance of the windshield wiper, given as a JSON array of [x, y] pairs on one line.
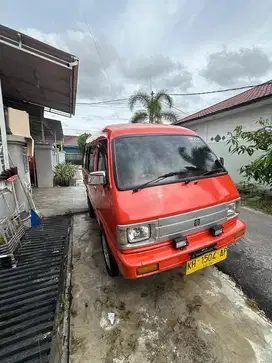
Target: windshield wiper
[[173, 173], [168, 175], [211, 172]]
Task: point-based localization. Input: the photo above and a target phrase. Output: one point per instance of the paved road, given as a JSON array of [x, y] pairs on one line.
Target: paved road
[[250, 260], [200, 318]]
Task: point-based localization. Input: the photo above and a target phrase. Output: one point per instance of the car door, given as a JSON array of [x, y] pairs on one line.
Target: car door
[[103, 197], [90, 167]]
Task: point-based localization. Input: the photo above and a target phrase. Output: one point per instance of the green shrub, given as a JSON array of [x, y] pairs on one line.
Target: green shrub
[[241, 141], [64, 172], [81, 141]]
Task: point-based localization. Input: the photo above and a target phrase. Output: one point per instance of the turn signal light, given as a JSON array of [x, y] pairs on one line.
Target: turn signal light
[[147, 269], [239, 234]]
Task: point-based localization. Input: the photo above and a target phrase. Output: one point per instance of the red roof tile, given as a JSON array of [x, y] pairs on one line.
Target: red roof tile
[[252, 95], [70, 140]]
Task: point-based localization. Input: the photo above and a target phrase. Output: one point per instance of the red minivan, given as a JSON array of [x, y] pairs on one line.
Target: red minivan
[[162, 199]]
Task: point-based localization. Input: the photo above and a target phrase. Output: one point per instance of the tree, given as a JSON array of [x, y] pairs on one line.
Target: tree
[[260, 169], [153, 107], [81, 141]]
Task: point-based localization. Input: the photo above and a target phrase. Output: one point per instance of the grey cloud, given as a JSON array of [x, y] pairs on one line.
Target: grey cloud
[[163, 71], [143, 69], [95, 70], [179, 80], [230, 68]]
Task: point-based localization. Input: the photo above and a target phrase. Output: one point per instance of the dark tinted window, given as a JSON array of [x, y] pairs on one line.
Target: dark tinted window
[[102, 156], [138, 159], [85, 161], [91, 158], [101, 162]]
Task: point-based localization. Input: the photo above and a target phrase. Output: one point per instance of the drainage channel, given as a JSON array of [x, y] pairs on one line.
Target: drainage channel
[[29, 293]]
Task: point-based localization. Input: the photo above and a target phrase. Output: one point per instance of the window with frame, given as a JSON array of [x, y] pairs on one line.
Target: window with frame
[[102, 156], [91, 158], [85, 157]]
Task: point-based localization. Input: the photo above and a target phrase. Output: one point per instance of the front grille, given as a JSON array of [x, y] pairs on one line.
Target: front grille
[[192, 222], [29, 293]]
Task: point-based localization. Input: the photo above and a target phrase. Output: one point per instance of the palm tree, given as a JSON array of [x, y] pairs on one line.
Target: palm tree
[[153, 107]]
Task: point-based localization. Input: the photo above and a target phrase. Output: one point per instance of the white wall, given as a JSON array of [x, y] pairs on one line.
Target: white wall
[[44, 165], [61, 157], [54, 157], [220, 125]]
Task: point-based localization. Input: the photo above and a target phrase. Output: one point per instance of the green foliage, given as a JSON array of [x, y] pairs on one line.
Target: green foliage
[[153, 107], [81, 141], [240, 141], [64, 305], [64, 172], [2, 240]]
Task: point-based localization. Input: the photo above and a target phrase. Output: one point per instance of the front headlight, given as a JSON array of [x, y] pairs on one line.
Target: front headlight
[[234, 208], [138, 234]]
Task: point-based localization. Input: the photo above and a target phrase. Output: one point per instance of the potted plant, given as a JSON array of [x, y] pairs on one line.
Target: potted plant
[[64, 172]]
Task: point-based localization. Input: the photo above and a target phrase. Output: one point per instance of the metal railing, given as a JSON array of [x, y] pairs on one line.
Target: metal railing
[[74, 158]]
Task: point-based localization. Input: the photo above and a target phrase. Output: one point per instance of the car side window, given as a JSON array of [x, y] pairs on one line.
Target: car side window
[[91, 158], [85, 158], [102, 156], [101, 162]]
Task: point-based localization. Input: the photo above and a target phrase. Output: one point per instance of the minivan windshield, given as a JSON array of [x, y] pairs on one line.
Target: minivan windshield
[[141, 158]]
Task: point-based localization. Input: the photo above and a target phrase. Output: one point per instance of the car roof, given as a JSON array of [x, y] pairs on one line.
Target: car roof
[[113, 131]]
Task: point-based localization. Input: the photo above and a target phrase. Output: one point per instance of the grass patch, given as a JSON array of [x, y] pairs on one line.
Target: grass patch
[[63, 307], [256, 198]]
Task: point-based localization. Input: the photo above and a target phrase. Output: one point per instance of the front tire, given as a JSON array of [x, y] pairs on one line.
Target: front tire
[[110, 263]]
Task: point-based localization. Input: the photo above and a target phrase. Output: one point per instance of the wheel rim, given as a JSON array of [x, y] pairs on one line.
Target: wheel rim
[[106, 251]]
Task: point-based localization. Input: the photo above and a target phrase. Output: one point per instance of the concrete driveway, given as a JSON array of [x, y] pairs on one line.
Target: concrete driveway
[[201, 318], [62, 200], [250, 260]]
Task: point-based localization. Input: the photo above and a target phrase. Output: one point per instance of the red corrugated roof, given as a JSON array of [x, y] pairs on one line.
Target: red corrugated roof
[[252, 95], [70, 140]]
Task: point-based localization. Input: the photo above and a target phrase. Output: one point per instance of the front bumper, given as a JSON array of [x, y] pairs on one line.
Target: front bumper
[[167, 257]]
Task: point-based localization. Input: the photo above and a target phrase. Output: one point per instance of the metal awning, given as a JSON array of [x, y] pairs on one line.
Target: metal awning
[[53, 130], [37, 73]]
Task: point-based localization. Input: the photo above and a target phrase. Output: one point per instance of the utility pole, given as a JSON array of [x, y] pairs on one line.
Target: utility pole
[[151, 116]]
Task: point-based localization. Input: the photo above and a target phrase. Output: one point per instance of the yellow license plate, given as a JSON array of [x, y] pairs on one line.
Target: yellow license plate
[[206, 260]]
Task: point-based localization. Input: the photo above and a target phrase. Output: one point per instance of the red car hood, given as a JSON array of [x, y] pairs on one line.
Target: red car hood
[[170, 199]]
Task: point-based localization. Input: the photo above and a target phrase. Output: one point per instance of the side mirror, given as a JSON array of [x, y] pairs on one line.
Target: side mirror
[[97, 178], [222, 161]]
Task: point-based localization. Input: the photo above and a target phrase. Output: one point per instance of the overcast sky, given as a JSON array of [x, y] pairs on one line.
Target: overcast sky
[[177, 45]]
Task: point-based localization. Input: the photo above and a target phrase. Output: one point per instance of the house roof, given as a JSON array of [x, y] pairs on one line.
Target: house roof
[[37, 73], [70, 140], [252, 95]]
